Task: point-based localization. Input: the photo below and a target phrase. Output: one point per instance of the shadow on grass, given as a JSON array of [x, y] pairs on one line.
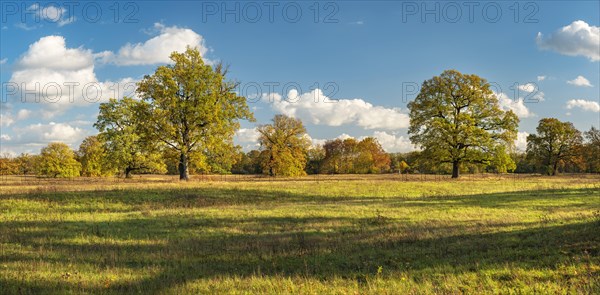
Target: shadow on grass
[[187, 248]]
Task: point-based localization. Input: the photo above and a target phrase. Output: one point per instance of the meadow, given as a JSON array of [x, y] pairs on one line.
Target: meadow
[[378, 234]]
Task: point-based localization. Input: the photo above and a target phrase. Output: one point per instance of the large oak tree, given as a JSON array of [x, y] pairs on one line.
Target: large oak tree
[[192, 108], [456, 118]]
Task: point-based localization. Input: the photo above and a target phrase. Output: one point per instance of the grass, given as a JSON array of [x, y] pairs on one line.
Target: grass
[[314, 235]]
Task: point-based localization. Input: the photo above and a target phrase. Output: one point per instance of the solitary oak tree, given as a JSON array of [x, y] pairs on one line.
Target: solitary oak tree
[[284, 147], [456, 118], [191, 108], [556, 142]]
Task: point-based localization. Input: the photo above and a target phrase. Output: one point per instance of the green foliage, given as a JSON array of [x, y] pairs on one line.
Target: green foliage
[[58, 160], [193, 110], [456, 118], [592, 150], [248, 163], [284, 147], [92, 157], [126, 150], [555, 144]]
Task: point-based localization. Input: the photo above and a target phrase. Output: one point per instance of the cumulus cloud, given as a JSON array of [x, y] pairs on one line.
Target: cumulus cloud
[[3, 61], [518, 106], [580, 81], [4, 137], [247, 138], [247, 135], [576, 39], [49, 72], [529, 87], [157, 49], [521, 141], [393, 143], [586, 105], [319, 109], [541, 78], [42, 134]]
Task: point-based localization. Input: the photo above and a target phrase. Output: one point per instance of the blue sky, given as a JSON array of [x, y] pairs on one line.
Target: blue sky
[[367, 55]]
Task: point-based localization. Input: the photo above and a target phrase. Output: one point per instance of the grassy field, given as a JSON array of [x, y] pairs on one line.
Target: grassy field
[[314, 235]]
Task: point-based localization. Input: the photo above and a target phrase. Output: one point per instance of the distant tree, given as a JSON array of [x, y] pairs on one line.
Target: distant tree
[[592, 150], [372, 158], [316, 155], [192, 109], [456, 118], [352, 156], [403, 167], [8, 165], [126, 150], [248, 163], [92, 156], [554, 144], [284, 147], [58, 160], [27, 164]]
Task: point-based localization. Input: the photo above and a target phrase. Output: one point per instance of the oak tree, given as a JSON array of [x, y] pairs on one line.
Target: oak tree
[[192, 108], [555, 143], [456, 118], [284, 147]]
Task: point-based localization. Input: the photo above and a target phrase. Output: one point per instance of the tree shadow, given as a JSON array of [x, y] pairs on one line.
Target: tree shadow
[[187, 248]]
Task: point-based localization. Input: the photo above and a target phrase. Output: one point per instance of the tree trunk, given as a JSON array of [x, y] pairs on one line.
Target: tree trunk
[[128, 172], [555, 168], [183, 167], [455, 169]]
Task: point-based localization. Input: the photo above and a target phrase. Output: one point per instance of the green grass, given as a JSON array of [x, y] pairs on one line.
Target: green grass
[[340, 235]]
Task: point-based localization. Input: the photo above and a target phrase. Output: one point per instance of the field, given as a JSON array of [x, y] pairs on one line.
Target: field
[[315, 235]]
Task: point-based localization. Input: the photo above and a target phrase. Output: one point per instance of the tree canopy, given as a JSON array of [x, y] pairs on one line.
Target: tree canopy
[[191, 108], [284, 147], [127, 151], [58, 160], [456, 118], [555, 143]]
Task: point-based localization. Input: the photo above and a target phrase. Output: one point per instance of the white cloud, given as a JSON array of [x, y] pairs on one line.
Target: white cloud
[[54, 74], [159, 48], [41, 134], [541, 78], [521, 141], [586, 105], [518, 107], [393, 143], [5, 137], [3, 61], [580, 81], [247, 138], [576, 39], [316, 108], [52, 13], [6, 120], [23, 114], [247, 135], [529, 87]]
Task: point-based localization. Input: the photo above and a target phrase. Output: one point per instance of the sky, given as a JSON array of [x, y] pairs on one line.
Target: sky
[[346, 68]]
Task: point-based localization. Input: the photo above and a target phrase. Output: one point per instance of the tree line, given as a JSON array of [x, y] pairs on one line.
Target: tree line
[[187, 113]]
